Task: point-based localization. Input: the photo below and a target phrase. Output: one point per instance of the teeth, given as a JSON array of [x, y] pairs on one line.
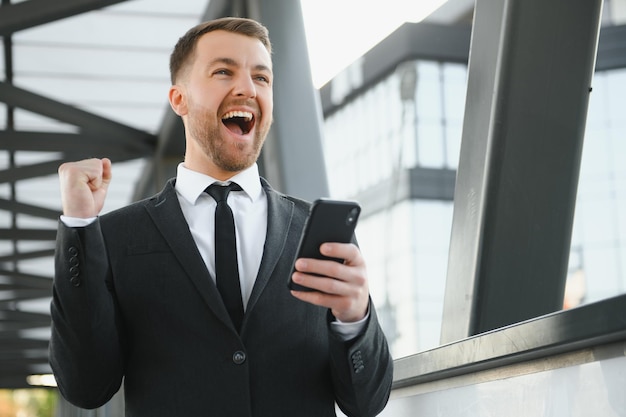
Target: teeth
[[244, 114]]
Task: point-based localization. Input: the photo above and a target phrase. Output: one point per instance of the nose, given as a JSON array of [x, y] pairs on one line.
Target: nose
[[244, 86]]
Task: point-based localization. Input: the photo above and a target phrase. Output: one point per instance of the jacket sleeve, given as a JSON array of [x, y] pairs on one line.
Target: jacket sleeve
[[85, 346], [362, 370]]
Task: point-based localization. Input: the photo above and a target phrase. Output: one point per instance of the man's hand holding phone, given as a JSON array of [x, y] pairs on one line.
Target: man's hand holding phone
[[329, 269], [341, 287]]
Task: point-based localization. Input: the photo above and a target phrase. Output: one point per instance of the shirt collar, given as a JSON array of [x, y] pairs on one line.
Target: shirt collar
[[191, 184]]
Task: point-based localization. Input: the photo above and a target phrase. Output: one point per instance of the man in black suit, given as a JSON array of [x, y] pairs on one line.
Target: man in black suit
[[135, 296]]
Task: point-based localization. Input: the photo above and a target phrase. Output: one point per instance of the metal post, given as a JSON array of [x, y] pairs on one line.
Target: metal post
[[293, 159], [530, 71]]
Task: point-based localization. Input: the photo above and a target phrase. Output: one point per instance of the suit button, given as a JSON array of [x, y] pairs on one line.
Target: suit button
[[74, 261], [75, 281], [357, 362], [75, 271], [239, 357], [72, 251]]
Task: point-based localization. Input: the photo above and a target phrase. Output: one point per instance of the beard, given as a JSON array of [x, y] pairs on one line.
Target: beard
[[232, 157]]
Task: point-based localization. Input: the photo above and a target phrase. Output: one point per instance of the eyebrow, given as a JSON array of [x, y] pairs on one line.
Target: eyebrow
[[232, 62]]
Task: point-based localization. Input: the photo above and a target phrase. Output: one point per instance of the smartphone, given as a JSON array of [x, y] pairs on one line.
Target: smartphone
[[328, 221]]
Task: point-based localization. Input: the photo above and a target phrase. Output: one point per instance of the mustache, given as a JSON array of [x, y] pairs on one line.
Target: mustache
[[241, 102]]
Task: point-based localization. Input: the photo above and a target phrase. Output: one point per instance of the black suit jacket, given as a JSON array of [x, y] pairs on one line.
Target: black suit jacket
[[133, 301]]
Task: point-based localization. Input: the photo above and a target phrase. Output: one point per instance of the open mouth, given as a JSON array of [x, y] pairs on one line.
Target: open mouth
[[239, 122]]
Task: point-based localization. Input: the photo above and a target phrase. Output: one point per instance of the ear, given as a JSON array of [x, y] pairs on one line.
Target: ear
[[178, 99]]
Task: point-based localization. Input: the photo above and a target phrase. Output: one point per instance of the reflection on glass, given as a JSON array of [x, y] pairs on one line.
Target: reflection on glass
[[598, 250], [413, 118]]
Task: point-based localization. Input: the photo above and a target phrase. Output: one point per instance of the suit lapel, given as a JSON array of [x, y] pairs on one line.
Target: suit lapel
[[164, 209], [280, 213]]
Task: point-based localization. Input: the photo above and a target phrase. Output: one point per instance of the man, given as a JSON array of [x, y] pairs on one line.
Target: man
[[135, 293]]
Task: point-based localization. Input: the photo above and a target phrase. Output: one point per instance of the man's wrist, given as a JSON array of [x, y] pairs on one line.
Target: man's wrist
[[77, 221], [348, 331]]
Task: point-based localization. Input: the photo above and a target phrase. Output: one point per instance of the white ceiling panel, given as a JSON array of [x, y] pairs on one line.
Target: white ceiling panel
[[88, 92], [25, 120], [89, 62], [108, 29], [192, 8], [146, 118]]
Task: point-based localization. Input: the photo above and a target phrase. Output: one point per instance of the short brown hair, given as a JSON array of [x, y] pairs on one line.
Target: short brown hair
[[186, 45]]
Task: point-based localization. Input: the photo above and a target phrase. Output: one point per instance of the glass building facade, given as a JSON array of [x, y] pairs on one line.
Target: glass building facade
[[413, 119]]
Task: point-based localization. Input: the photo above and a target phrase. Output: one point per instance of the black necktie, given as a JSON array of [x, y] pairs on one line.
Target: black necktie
[[226, 270]]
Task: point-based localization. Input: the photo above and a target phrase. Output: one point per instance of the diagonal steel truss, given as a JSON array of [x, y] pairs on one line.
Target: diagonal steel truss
[[23, 351]]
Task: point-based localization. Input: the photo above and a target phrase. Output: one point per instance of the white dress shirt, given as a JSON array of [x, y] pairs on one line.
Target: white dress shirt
[[249, 210]]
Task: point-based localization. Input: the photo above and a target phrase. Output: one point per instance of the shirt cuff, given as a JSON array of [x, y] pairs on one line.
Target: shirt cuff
[[347, 331], [77, 221]]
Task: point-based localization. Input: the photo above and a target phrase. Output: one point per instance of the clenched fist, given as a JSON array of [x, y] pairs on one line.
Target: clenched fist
[[84, 186]]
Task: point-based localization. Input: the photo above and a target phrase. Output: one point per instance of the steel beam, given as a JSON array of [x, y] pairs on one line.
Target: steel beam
[[29, 171], [28, 234], [21, 294], [544, 338], [29, 209], [89, 143], [416, 183], [88, 122], [530, 70], [23, 280], [32, 13], [20, 256], [411, 41], [293, 159], [612, 48]]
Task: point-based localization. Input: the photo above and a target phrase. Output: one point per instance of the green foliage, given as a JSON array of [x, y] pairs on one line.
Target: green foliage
[[35, 402]]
